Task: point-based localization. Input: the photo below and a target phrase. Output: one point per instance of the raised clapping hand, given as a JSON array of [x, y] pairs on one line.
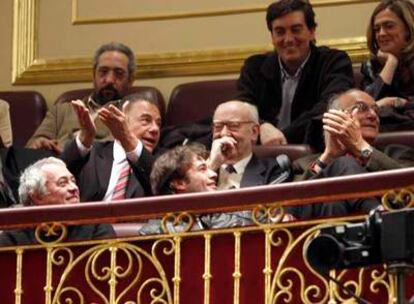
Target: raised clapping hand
[[88, 128], [117, 123], [344, 133]]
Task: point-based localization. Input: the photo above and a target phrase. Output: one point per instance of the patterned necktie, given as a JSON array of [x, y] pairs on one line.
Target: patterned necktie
[[122, 183], [230, 169]]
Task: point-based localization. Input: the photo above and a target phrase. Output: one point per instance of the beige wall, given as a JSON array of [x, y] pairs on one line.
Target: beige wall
[[169, 37]]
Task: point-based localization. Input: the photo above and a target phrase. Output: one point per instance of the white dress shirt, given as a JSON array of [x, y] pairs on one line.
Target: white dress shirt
[[228, 180], [120, 157]]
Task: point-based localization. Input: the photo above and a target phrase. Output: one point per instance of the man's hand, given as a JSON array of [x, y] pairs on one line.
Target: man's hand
[[333, 148], [87, 125], [270, 135], [346, 128], [222, 149], [117, 123], [396, 102], [47, 144]]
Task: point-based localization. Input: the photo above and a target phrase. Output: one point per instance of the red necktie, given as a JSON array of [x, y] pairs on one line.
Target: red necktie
[[122, 183]]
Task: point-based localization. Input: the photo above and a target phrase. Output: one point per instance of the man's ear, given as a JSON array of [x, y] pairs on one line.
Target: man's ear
[[179, 185], [255, 133], [36, 198]]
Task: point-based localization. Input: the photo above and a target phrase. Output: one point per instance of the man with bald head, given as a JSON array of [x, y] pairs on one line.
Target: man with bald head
[[235, 132], [351, 126]]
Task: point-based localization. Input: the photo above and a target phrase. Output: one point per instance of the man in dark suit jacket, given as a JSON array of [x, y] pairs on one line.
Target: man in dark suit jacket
[[49, 182], [98, 166], [292, 85], [235, 132]]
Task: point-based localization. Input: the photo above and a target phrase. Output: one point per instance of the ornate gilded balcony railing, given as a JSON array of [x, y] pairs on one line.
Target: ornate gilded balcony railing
[[262, 263]]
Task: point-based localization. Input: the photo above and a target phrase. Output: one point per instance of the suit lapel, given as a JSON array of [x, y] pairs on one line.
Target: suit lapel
[[253, 174]]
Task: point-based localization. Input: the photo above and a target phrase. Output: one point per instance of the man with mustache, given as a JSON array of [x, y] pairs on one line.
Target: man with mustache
[[113, 75], [120, 168]]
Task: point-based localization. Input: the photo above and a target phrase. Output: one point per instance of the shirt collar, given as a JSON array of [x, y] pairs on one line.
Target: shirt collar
[[286, 75], [119, 153], [240, 166]]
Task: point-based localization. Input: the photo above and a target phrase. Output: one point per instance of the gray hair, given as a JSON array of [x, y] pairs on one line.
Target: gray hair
[[33, 179], [146, 96], [334, 102], [116, 47], [254, 114]]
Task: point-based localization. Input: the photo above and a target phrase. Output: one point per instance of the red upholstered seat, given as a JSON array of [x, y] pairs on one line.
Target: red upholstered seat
[[194, 101], [27, 110], [293, 151], [153, 92], [398, 137]]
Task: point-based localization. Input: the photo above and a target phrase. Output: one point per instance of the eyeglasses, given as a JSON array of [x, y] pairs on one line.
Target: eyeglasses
[[362, 107], [231, 125]]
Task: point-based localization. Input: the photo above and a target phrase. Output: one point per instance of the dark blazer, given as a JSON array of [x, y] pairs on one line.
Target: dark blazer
[[326, 72], [75, 233], [263, 172], [344, 165], [93, 172], [383, 158]]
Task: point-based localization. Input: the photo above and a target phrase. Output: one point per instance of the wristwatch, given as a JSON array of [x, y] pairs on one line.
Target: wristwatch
[[366, 154]]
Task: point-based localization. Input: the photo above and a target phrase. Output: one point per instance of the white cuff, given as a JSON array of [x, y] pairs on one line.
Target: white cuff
[[83, 151], [135, 154]]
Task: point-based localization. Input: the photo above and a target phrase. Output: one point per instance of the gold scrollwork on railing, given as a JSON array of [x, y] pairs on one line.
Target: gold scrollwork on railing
[[398, 199], [174, 223], [50, 233], [284, 278], [314, 288], [121, 267], [265, 215]]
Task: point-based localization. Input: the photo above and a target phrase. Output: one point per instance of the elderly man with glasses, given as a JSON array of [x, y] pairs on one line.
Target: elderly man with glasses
[[351, 126], [235, 132]]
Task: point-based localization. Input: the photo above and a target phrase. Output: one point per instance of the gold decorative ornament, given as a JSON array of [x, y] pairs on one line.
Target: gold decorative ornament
[[265, 215], [50, 233], [177, 223], [398, 199]]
